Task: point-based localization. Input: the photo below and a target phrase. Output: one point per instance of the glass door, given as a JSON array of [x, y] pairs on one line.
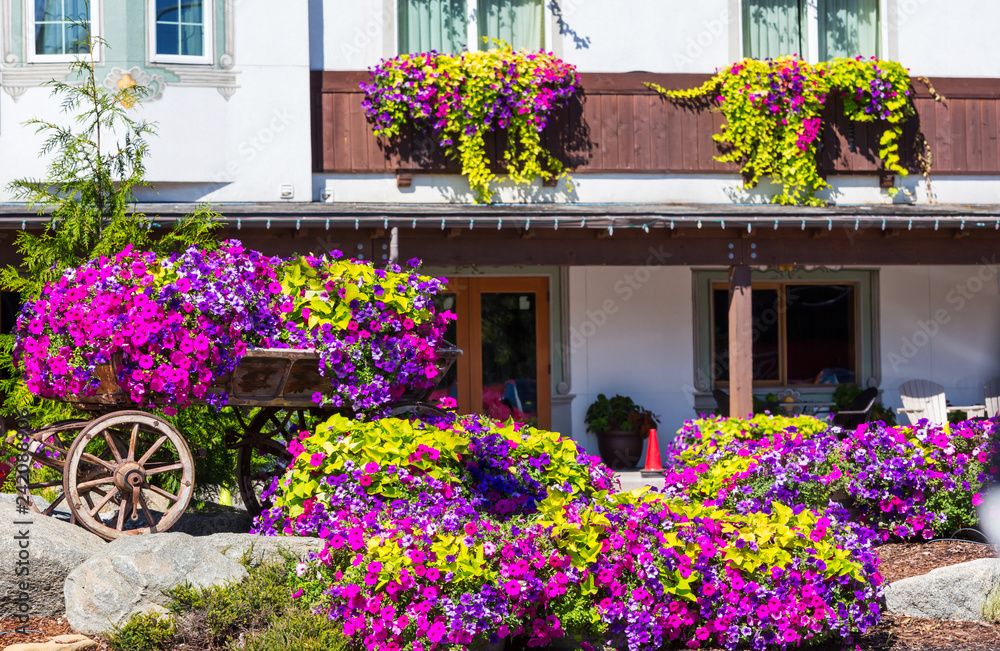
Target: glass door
[[503, 327]]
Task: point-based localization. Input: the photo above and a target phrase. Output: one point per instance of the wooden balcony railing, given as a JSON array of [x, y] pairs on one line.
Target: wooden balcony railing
[[618, 126]]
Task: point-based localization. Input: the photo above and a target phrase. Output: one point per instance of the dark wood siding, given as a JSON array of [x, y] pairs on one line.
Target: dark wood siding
[[618, 126]]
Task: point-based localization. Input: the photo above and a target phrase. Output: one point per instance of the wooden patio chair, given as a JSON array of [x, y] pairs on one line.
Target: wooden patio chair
[[991, 391], [923, 399]]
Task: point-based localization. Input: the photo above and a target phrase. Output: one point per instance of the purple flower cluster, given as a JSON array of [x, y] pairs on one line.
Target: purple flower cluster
[[897, 482], [377, 331]]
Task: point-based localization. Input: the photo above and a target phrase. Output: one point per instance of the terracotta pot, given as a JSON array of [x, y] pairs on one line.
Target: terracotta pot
[[620, 449]]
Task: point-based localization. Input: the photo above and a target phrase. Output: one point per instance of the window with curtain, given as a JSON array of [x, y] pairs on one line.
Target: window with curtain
[[773, 28], [55, 30], [848, 28], [180, 27], [518, 22], [426, 25]]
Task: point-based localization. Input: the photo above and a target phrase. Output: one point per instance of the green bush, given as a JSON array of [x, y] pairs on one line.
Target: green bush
[[297, 630], [143, 632], [210, 617]]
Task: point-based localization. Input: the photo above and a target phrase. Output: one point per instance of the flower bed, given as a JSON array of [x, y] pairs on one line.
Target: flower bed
[[181, 322], [460, 98], [902, 482], [464, 533]]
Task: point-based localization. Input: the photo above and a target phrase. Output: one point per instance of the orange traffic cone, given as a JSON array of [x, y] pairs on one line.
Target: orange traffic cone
[[654, 465]]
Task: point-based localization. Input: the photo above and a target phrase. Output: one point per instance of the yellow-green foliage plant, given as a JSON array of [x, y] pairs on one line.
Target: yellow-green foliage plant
[[774, 116], [461, 98]]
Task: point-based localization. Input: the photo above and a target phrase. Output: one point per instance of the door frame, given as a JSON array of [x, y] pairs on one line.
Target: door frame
[[467, 290]]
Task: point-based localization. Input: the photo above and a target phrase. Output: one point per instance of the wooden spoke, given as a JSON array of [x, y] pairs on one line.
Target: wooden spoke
[[132, 440], [51, 463], [110, 438], [122, 507], [97, 461], [162, 469], [162, 493], [95, 509], [152, 449], [90, 485], [150, 521], [55, 503], [44, 484]]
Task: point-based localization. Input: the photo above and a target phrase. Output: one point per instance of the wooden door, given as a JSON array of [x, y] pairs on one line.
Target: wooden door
[[503, 328]]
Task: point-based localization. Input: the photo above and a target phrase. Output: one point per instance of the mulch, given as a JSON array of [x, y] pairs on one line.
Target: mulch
[[37, 630], [894, 633]]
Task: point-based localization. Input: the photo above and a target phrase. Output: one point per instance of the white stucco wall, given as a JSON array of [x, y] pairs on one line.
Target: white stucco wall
[[942, 324], [631, 333], [206, 148]]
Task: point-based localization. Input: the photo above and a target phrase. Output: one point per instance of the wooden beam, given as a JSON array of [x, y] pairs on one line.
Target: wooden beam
[[740, 342]]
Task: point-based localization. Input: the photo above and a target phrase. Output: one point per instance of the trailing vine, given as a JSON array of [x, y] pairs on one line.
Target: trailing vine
[[774, 107], [461, 98]]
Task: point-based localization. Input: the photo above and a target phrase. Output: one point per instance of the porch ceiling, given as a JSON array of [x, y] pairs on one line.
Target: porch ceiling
[[582, 234]]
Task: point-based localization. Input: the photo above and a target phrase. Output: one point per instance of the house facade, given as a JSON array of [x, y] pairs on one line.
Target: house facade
[[623, 282]]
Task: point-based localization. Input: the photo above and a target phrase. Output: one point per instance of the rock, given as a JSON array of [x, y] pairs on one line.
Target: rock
[[57, 643], [55, 548], [956, 592], [61, 512], [235, 545], [129, 574], [213, 519]]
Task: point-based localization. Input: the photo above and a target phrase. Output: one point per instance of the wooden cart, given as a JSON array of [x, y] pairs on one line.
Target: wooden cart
[[129, 472]]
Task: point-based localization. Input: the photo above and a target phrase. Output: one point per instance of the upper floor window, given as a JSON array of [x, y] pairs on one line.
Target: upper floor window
[[58, 30], [452, 26], [181, 31], [814, 29]]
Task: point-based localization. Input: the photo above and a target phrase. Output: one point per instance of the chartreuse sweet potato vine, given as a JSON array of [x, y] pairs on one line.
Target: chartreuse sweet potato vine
[[774, 107], [461, 98]]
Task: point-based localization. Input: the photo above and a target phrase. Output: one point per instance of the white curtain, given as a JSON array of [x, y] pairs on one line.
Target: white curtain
[[848, 28], [426, 25], [772, 28], [517, 22]]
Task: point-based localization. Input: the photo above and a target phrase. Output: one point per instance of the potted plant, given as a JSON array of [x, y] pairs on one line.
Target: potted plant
[[621, 426]]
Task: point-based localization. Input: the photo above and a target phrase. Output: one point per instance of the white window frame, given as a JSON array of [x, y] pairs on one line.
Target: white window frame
[[812, 30], [206, 58], [549, 35], [29, 36]]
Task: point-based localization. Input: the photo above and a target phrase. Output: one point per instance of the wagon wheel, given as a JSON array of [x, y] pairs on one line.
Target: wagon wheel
[[418, 409], [122, 467], [263, 452], [49, 447]]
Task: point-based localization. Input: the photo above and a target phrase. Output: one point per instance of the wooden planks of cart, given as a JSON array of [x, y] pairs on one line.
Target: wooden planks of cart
[[126, 471]]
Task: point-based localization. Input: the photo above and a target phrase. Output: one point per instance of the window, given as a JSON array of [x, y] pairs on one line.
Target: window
[[812, 329], [802, 333], [181, 31], [56, 32], [816, 30], [451, 26]]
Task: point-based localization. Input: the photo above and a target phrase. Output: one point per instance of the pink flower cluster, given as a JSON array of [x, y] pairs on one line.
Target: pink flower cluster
[[176, 324]]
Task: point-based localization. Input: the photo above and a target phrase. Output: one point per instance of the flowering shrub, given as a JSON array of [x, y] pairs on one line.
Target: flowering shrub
[[461, 98], [178, 324], [376, 330], [902, 482], [773, 111], [456, 535]]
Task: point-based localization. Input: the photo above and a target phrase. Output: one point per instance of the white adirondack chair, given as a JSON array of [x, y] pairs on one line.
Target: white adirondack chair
[[924, 399], [991, 391]]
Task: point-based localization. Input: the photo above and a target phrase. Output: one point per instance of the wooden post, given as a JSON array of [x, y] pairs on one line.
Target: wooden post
[[740, 342]]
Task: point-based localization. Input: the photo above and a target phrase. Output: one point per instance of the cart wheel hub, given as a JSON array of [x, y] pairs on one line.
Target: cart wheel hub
[[129, 475]]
